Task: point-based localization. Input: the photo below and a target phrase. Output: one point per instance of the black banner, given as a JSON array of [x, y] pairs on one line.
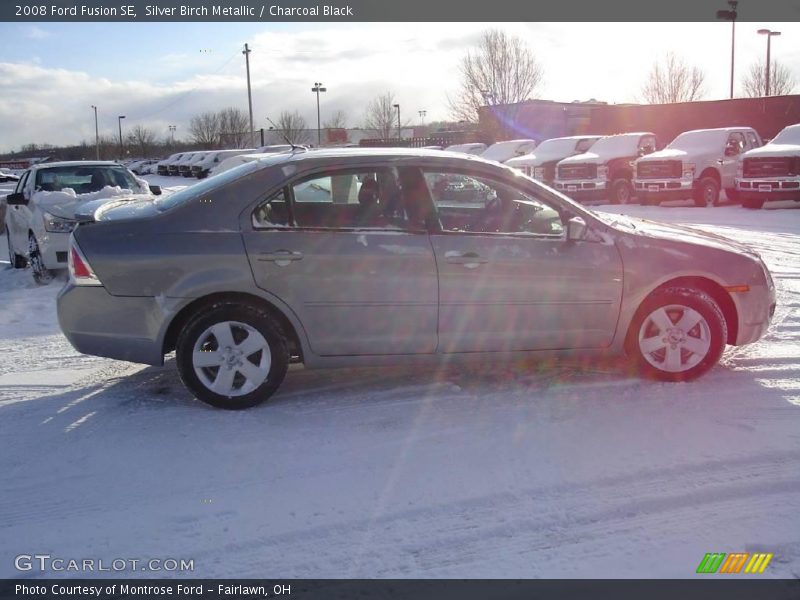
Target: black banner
[[396, 11], [713, 588]]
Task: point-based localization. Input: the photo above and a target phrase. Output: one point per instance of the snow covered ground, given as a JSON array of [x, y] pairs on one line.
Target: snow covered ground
[[557, 470]]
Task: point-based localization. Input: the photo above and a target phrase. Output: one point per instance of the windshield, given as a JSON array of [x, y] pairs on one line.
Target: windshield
[[625, 144], [84, 179], [187, 194], [560, 146], [699, 139], [789, 135]]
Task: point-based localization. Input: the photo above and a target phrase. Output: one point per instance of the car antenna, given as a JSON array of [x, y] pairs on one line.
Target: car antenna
[[285, 137]]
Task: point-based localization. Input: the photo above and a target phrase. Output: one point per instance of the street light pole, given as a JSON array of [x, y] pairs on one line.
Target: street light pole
[[730, 15], [246, 53], [769, 35], [318, 88], [399, 132], [172, 129], [119, 122], [96, 135], [422, 114]]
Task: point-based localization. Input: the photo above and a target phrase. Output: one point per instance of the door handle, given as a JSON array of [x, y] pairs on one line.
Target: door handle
[[280, 257], [468, 259]]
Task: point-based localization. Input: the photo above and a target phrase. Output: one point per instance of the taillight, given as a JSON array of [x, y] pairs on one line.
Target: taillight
[[80, 271]]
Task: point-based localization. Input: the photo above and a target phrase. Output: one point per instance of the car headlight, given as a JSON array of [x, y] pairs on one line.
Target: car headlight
[[538, 173], [688, 170], [56, 224], [739, 170], [602, 172]]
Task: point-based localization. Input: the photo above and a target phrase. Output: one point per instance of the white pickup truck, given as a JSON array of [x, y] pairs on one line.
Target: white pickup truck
[[771, 172], [696, 165], [541, 163], [606, 170]]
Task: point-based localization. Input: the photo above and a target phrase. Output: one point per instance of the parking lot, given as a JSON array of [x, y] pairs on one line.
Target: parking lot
[[561, 469]]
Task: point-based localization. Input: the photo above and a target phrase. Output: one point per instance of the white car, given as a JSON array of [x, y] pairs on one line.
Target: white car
[[541, 163], [174, 168], [472, 148], [42, 210], [162, 167], [201, 168], [771, 172], [503, 151]]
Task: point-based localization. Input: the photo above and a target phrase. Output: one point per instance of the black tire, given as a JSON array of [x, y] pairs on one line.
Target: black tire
[[235, 314], [41, 274], [621, 191], [17, 260], [711, 330], [707, 192], [753, 204]]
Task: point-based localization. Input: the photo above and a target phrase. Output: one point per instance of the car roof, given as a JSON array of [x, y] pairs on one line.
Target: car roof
[[729, 129], [387, 153], [78, 163]]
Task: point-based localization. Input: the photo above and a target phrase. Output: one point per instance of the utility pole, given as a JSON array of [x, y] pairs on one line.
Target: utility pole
[[246, 53], [769, 35], [119, 121], [318, 88], [730, 15], [96, 135]]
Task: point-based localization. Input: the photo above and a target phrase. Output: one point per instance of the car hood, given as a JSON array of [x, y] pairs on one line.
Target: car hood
[[666, 153], [773, 150], [535, 159], [72, 206], [676, 233]]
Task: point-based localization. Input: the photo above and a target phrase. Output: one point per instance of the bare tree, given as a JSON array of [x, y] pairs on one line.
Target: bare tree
[[673, 80], [381, 116], [293, 126], [234, 127], [501, 70], [141, 140], [204, 129], [337, 120], [781, 80]]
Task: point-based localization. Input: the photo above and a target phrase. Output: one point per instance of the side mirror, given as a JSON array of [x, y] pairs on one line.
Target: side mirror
[[155, 190], [16, 199], [576, 229]]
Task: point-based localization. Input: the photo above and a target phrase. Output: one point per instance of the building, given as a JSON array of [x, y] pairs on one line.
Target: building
[[543, 119]]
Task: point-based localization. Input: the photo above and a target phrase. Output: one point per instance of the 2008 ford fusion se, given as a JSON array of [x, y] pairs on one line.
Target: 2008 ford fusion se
[[385, 256]]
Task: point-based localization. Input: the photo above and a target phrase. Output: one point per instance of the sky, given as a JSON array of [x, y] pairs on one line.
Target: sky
[[160, 74]]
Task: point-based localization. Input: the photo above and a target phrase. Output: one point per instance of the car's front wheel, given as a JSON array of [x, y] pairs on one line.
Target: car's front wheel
[[621, 192], [17, 260], [707, 192], [41, 274], [232, 356], [677, 334]]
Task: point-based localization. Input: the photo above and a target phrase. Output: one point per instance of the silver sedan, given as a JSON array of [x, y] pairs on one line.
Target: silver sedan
[[384, 256]]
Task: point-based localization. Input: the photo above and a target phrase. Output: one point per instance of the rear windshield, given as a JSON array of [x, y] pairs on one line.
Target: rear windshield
[[790, 135], [84, 179]]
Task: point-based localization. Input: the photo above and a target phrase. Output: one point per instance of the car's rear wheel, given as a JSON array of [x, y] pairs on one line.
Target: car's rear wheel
[[41, 274], [707, 192], [754, 204], [17, 260], [621, 191], [232, 356], [677, 334]]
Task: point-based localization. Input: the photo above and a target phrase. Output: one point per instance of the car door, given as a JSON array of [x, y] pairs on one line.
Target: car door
[[337, 247], [18, 217], [734, 147], [508, 277]]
